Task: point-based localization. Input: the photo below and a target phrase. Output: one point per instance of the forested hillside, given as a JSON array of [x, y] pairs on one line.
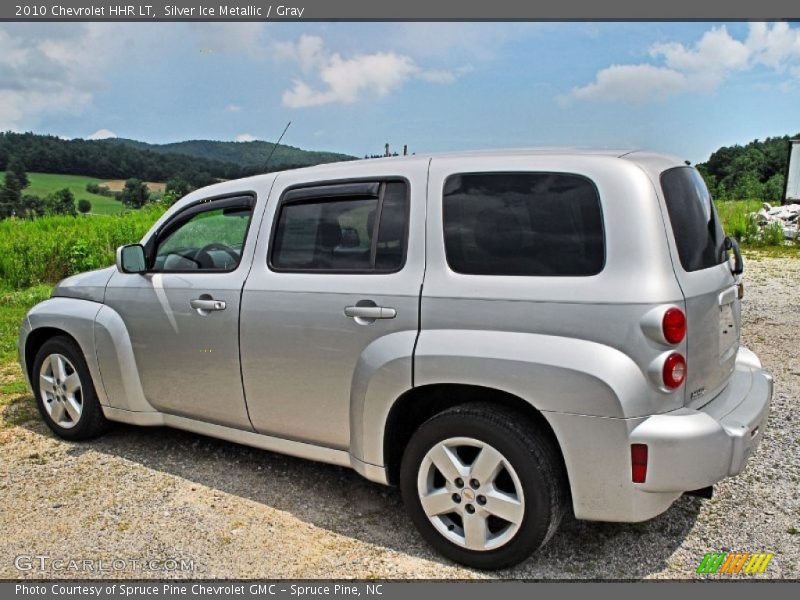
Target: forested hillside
[[196, 162], [240, 153], [753, 171]]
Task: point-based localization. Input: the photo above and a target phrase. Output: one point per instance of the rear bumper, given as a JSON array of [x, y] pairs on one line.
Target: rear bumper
[[691, 449], [688, 449]]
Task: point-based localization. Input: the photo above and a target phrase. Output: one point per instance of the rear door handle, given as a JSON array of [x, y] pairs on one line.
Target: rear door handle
[[370, 312], [203, 305]]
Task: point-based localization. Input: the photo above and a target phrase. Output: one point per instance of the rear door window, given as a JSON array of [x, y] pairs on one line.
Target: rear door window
[[359, 227], [695, 223], [545, 224]]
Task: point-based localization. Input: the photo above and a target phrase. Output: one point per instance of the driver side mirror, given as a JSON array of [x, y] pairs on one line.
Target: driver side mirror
[[130, 259]]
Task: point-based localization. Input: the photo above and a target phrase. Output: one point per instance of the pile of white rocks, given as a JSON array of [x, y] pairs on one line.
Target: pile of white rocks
[[787, 215]]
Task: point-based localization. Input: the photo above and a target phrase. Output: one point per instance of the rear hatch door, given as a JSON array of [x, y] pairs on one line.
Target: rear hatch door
[[713, 309]]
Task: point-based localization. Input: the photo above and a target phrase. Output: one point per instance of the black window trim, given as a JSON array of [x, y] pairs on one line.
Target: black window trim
[[230, 200], [526, 172], [314, 193]]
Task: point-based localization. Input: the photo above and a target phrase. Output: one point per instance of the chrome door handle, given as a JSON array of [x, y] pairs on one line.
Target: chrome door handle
[[370, 312], [207, 305]]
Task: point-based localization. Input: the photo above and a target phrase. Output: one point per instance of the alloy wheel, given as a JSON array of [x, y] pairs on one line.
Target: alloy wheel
[[61, 391], [471, 493]]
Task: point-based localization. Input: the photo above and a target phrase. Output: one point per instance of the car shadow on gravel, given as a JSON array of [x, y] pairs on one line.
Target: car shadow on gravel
[[339, 500]]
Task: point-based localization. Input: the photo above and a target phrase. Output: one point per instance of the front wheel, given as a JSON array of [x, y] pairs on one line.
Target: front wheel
[[64, 391], [482, 486]]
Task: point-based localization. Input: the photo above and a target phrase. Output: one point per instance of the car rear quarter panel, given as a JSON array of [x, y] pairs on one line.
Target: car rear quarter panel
[[570, 344]]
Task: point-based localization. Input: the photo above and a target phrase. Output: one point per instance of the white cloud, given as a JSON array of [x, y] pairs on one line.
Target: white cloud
[[703, 66], [634, 84], [102, 134], [52, 69], [245, 137], [348, 80], [308, 51], [233, 108], [776, 47]]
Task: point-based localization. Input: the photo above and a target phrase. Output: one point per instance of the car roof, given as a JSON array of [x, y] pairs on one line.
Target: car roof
[[651, 162], [631, 154]]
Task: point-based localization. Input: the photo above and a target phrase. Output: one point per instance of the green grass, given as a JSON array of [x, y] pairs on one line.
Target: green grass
[[44, 184], [738, 223], [47, 249], [13, 306], [16, 404]]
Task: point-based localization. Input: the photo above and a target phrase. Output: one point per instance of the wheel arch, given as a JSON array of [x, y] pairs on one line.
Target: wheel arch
[[419, 404], [37, 338], [70, 317]]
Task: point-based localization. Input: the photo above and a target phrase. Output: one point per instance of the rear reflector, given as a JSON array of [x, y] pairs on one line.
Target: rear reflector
[[674, 372], [674, 325], [638, 463]]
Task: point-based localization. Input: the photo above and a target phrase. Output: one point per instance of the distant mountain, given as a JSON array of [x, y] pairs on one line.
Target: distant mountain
[[245, 154], [197, 162]]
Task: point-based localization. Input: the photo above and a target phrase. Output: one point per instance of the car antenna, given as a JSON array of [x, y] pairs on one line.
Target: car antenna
[[275, 146]]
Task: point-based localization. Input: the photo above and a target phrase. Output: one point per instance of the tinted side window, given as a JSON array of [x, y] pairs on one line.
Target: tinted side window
[[340, 234], [523, 224], [695, 224]]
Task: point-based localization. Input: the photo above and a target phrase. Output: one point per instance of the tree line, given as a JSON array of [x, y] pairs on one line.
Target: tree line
[[105, 159], [15, 202], [753, 171]]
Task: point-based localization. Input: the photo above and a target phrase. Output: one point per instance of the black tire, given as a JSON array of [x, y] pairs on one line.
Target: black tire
[[91, 422], [532, 455]]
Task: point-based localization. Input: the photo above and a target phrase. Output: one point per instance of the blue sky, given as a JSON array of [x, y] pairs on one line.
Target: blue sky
[[684, 88]]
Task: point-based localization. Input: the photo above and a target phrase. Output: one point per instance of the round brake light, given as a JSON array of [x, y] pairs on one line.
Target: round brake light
[[674, 325], [674, 371]]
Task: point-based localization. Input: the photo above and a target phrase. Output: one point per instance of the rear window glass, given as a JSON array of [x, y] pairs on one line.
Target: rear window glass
[[547, 224], [695, 223]]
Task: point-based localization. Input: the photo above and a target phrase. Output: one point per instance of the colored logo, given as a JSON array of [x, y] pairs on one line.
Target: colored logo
[[734, 562]]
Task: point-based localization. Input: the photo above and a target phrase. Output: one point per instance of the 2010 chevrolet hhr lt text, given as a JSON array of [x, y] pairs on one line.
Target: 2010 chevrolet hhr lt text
[[505, 335]]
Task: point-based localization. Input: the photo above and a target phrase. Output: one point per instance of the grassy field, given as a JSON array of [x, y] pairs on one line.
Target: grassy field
[[117, 185], [44, 184]]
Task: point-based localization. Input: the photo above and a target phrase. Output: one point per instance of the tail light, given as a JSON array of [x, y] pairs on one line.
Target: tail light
[[674, 371], [673, 325], [638, 463]]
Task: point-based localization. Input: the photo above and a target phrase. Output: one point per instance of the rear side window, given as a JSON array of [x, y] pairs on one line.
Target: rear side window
[[547, 224], [695, 223], [342, 228]]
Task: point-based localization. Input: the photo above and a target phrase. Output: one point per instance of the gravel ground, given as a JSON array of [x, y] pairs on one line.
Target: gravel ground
[[159, 494]]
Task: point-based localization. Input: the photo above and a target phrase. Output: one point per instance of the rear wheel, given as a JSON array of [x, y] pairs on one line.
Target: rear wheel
[[482, 486], [64, 391]]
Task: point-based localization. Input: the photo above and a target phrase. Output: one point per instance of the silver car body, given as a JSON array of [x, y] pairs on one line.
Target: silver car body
[[284, 369]]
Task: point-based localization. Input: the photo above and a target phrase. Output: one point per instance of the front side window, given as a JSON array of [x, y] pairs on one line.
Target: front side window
[[362, 229], [204, 239], [534, 224], [695, 224]]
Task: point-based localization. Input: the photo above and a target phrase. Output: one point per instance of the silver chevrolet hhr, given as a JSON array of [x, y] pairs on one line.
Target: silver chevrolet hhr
[[505, 335]]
